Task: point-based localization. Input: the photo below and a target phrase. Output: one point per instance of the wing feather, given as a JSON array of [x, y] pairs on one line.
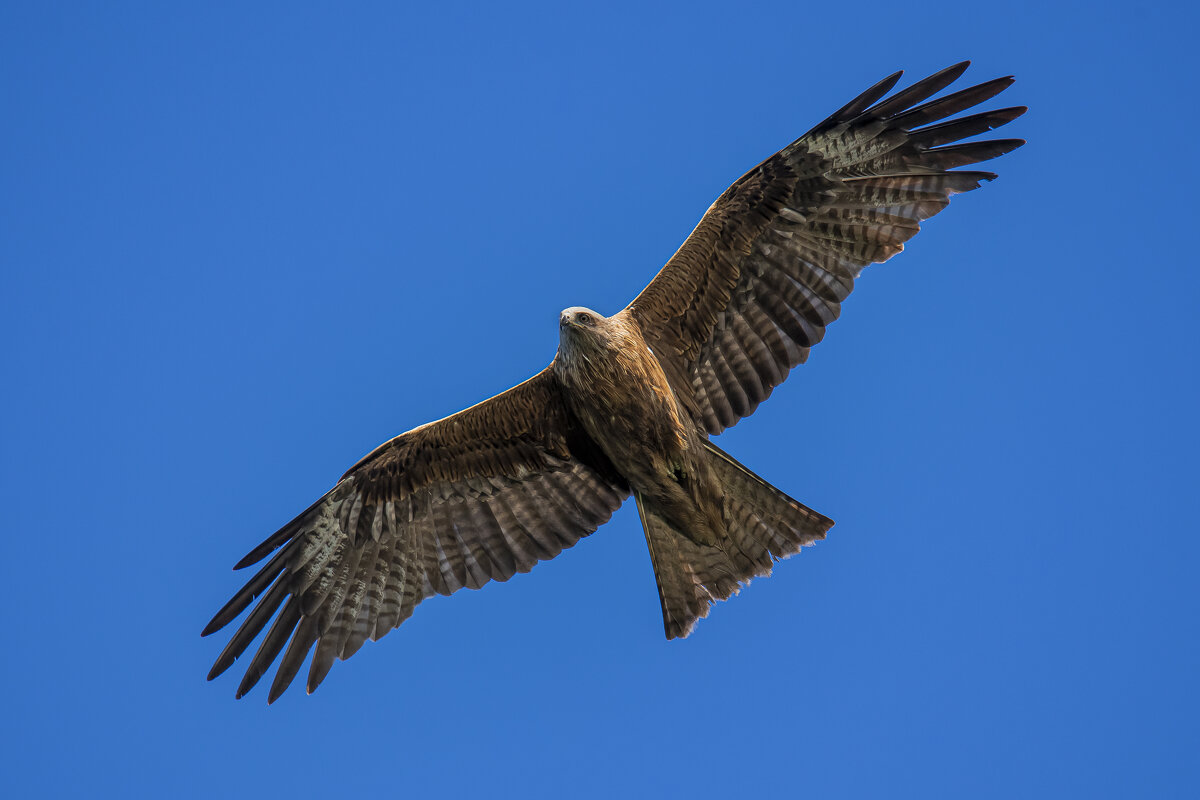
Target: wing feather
[[768, 266], [476, 497], [491, 540], [272, 643], [293, 657]]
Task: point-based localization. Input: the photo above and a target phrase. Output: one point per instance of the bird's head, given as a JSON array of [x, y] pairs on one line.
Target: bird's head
[[578, 321], [580, 330]]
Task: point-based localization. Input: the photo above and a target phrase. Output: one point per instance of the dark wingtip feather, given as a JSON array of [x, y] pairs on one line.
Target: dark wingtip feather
[[322, 662], [275, 540], [250, 628], [964, 127], [293, 657], [218, 669], [268, 651], [951, 104], [960, 155], [253, 588], [858, 104], [253, 557], [236, 605], [919, 91], [259, 553], [979, 176], [280, 536]]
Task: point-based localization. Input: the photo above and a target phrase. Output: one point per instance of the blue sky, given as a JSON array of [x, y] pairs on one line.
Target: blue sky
[[241, 247]]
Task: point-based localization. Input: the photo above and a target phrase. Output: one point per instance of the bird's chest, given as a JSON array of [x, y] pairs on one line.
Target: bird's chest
[[626, 405]]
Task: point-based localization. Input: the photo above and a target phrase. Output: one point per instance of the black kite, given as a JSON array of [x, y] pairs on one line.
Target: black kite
[[628, 404]]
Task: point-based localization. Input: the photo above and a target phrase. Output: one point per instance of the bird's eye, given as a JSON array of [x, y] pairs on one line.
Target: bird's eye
[[585, 319]]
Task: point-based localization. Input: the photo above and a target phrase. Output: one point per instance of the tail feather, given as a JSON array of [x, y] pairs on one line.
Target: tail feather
[[682, 573], [763, 525]]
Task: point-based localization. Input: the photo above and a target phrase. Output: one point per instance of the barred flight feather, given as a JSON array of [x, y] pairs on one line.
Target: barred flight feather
[[399, 527], [857, 187]]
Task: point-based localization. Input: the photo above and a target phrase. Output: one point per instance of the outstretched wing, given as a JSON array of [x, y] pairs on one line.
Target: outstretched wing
[[767, 268], [477, 496]]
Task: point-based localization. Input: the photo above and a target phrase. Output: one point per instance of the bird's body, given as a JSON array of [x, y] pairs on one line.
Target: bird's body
[[628, 405], [623, 400]]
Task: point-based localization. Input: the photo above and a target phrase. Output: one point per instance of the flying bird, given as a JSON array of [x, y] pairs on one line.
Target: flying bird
[[628, 405]]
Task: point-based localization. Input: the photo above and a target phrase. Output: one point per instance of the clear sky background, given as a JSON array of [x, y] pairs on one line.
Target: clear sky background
[[242, 246]]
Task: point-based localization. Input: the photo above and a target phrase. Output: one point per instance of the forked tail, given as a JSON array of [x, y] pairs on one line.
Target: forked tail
[[763, 525]]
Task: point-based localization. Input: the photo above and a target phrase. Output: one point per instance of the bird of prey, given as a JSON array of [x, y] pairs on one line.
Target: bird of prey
[[628, 405]]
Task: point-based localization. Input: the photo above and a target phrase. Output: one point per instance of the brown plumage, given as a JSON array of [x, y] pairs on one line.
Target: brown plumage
[[627, 405]]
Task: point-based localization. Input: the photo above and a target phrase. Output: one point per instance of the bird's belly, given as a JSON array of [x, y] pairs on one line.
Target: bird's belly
[[635, 419], [632, 414]]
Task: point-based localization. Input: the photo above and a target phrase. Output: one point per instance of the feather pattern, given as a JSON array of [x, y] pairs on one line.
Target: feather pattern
[[475, 497], [768, 266], [762, 525]]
